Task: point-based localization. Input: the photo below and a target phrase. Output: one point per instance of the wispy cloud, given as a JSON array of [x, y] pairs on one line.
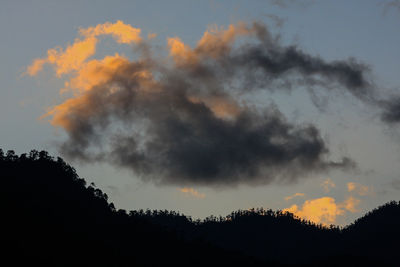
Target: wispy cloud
[[327, 185], [192, 192], [74, 56], [294, 195], [351, 204], [359, 189]]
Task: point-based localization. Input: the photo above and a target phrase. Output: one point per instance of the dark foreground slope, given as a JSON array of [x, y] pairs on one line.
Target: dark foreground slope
[[49, 216]]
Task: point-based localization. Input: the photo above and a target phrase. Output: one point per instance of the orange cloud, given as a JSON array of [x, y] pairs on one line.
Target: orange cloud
[[327, 184], [86, 75], [192, 192], [96, 72], [74, 56], [181, 53], [351, 204], [60, 113], [36, 66], [217, 41], [294, 195], [151, 36], [360, 189], [123, 33], [214, 43], [323, 210]]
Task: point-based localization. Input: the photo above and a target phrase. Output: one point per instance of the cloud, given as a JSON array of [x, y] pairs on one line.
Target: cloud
[[324, 210], [391, 4], [151, 36], [192, 192], [351, 186], [123, 33], [178, 119], [288, 3], [294, 195], [327, 184], [350, 204], [359, 189], [321, 210], [391, 110], [75, 55], [36, 66]]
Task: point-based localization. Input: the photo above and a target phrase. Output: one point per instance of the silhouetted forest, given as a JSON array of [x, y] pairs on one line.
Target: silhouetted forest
[[51, 217]]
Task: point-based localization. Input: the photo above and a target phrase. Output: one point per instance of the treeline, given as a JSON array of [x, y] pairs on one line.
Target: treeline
[[50, 216]]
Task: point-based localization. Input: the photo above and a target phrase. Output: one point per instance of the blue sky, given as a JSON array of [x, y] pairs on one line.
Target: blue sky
[[333, 30]]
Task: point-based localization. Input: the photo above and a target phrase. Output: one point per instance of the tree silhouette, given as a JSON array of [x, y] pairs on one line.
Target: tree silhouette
[[51, 217]]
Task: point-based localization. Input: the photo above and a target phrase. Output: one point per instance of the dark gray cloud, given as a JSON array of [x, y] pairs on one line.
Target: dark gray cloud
[[264, 64], [202, 149], [185, 143], [184, 124], [390, 110]]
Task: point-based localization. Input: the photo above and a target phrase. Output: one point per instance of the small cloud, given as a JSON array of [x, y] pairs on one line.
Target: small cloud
[[350, 204], [192, 192], [359, 189], [294, 195], [288, 3], [151, 36], [351, 186], [327, 185], [324, 210]]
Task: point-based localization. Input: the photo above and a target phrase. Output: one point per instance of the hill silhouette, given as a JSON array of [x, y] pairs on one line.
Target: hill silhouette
[[51, 217]]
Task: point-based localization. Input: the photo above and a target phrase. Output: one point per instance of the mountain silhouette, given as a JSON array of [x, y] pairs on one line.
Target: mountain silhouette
[[51, 217]]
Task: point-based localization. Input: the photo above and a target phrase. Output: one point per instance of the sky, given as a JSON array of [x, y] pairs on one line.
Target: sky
[[206, 107]]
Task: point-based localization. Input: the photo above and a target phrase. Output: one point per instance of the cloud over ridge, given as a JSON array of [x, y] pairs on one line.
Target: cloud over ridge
[[176, 119]]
